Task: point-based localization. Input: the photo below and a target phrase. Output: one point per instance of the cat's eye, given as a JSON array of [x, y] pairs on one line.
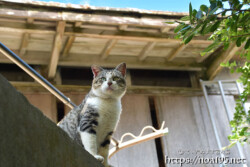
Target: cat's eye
[[116, 78], [103, 79]]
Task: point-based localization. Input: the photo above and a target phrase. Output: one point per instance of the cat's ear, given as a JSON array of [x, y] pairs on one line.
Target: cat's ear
[[122, 68], [96, 70]]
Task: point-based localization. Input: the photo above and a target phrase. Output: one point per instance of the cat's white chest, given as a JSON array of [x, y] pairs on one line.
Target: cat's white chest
[[109, 113]]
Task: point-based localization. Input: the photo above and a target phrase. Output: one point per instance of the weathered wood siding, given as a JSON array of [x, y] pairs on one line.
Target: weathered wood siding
[[190, 127], [135, 115], [46, 102]]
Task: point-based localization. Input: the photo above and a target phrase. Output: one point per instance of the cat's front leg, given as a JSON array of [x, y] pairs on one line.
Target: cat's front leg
[[89, 143], [104, 149]]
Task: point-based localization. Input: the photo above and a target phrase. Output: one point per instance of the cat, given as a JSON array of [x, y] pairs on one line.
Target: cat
[[93, 122]]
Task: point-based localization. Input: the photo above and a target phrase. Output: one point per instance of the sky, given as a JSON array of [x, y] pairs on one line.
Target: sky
[[161, 5]]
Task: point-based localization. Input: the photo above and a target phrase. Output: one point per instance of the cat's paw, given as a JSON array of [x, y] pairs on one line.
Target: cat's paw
[[99, 158]]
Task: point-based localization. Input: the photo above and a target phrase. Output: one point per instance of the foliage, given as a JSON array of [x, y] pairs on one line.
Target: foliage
[[226, 26]]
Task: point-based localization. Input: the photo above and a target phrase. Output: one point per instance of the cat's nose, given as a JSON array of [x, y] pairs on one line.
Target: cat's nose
[[109, 83]]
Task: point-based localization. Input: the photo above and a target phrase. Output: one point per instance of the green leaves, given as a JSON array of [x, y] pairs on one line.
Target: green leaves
[[215, 26], [190, 13], [188, 39], [204, 8], [179, 27], [247, 44], [210, 48], [185, 18], [170, 22]]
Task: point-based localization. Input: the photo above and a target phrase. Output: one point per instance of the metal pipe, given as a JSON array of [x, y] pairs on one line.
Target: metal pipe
[[40, 79], [212, 118], [230, 117], [214, 82]]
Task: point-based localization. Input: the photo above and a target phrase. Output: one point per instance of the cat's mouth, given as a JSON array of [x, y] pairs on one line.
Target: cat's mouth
[[109, 89]]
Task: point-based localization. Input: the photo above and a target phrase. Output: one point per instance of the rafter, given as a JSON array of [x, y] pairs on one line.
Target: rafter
[[70, 41], [25, 39], [68, 46], [146, 50], [165, 29], [225, 56], [176, 52], [123, 27], [107, 49], [24, 44], [56, 49]]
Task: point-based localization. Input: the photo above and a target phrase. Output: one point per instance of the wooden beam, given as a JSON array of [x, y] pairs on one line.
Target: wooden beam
[[56, 49], [144, 90], [176, 52], [78, 60], [24, 44], [146, 50], [225, 56], [95, 18], [107, 49], [148, 37]]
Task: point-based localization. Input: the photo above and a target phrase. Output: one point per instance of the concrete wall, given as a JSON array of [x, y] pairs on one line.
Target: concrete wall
[[28, 138]]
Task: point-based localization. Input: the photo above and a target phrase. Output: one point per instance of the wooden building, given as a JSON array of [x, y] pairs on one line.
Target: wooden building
[[62, 41]]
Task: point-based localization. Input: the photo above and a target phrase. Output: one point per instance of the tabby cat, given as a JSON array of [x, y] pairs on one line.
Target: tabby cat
[[93, 122]]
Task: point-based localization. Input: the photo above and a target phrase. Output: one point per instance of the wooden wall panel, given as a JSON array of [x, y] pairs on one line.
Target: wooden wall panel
[[76, 98], [46, 102], [135, 115], [185, 132], [190, 125]]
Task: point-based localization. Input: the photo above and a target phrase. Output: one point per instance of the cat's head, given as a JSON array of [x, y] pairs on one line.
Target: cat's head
[[109, 83]]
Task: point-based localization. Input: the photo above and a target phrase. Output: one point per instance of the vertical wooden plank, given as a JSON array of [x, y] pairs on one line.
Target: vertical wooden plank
[[135, 115], [184, 134], [46, 102]]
